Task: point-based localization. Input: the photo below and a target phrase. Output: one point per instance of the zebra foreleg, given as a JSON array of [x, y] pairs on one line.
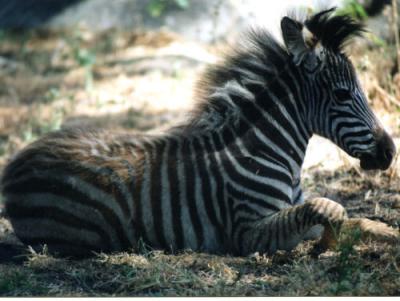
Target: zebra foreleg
[[314, 233], [285, 229]]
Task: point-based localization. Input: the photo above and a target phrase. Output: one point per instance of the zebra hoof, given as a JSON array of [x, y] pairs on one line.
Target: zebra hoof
[[328, 241]]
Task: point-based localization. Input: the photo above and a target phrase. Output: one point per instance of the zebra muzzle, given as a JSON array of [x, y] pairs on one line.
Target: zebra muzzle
[[384, 154]]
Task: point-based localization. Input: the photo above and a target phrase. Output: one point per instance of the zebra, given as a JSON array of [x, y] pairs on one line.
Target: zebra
[[227, 181]]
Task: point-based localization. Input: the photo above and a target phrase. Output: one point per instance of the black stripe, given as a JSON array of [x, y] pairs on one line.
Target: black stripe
[[136, 220], [343, 114], [207, 198], [243, 230], [98, 177], [240, 195], [219, 181], [285, 225], [138, 210], [309, 214], [175, 194], [290, 229], [297, 218], [250, 164], [191, 190], [359, 133], [21, 165], [298, 110], [240, 222], [346, 124], [17, 212], [257, 239], [264, 188], [252, 112], [244, 207], [231, 213], [267, 149], [277, 229], [259, 187], [269, 239], [155, 193]]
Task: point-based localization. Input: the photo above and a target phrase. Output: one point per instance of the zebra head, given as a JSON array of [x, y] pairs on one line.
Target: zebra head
[[339, 108]]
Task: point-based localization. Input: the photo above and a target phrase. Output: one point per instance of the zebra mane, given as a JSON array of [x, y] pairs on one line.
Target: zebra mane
[[333, 31], [257, 61]]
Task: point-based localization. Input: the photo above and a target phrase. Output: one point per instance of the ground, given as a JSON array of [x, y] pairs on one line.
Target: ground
[[144, 81]]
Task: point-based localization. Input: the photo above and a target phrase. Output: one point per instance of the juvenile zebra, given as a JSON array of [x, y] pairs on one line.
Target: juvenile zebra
[[228, 181]]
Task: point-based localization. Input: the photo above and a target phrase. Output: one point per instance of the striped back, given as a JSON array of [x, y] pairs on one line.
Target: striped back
[[209, 184]]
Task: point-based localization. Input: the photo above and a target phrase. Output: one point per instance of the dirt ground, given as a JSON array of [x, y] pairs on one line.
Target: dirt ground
[[144, 81]]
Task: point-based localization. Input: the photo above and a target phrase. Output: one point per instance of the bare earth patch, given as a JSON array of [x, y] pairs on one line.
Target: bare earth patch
[[121, 81]]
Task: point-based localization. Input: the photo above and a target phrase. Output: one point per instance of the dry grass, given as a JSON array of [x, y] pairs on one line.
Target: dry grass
[[370, 269], [142, 81]]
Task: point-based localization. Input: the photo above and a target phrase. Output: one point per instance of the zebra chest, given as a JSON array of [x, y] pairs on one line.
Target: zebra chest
[[257, 180]]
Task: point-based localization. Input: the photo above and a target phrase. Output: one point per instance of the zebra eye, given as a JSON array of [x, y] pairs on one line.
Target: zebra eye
[[342, 94]]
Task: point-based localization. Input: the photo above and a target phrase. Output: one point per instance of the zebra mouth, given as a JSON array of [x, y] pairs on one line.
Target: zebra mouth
[[368, 162], [383, 155]]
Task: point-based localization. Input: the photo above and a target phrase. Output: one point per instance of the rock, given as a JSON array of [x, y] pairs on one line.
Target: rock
[[205, 21]]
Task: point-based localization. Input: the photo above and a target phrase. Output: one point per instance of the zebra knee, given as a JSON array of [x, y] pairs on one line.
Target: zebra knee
[[326, 211], [314, 233]]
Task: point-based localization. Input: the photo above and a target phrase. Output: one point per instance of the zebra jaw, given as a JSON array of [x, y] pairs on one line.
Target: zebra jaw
[[369, 162]]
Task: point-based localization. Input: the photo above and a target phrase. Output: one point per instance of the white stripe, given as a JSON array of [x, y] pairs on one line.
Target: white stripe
[[210, 238], [145, 199], [214, 194]]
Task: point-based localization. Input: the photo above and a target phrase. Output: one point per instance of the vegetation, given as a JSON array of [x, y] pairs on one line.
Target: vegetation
[[157, 7], [354, 9]]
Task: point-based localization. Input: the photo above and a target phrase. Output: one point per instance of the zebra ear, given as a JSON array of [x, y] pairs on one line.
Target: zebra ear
[[300, 44], [294, 40]]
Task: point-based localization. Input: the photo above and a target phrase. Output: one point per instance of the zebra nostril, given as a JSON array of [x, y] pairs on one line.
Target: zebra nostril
[[388, 154], [386, 149]]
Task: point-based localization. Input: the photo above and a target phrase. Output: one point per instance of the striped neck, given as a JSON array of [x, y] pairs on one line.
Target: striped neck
[[270, 120], [260, 99]]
